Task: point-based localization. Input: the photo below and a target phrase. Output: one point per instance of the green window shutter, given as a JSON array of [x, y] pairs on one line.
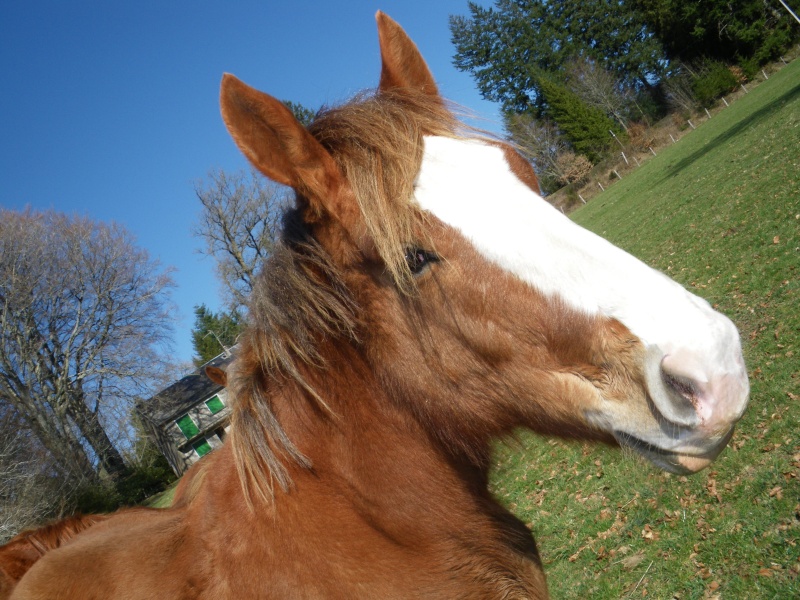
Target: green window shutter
[[201, 446], [215, 405], [187, 426]]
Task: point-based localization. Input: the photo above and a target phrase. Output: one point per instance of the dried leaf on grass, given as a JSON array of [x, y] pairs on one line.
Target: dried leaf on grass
[[632, 561]]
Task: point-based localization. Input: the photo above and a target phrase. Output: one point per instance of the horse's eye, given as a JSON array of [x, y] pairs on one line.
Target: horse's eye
[[418, 260]]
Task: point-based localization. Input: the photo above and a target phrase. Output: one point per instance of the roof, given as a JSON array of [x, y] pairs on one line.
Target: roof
[[179, 397]]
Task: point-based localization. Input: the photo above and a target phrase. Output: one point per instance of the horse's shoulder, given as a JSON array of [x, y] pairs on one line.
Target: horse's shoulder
[[78, 576], [117, 558]]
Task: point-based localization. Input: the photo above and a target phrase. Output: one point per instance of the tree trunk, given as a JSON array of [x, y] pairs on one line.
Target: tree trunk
[[89, 424], [64, 446]]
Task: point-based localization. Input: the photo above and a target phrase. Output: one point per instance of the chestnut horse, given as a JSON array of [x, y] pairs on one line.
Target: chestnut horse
[[20, 552], [423, 302]]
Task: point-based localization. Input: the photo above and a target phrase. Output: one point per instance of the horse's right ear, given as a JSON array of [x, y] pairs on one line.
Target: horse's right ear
[[277, 144]]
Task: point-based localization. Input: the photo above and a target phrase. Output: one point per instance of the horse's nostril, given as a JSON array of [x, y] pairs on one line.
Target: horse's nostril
[[679, 402], [674, 393], [683, 386]]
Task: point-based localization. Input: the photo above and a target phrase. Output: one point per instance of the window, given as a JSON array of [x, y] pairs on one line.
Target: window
[[215, 405], [187, 426], [201, 446]]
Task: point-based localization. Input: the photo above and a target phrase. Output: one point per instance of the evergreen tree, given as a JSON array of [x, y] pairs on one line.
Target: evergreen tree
[[586, 127], [213, 333], [505, 47], [727, 30], [301, 113]]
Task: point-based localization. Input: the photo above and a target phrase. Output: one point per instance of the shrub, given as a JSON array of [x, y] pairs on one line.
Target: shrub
[[96, 498], [716, 80], [572, 168], [640, 137], [141, 482]]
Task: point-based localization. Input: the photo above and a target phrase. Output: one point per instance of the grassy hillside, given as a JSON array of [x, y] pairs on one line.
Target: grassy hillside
[[720, 212]]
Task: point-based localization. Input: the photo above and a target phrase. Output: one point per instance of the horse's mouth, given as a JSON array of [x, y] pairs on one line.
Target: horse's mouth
[[673, 461]]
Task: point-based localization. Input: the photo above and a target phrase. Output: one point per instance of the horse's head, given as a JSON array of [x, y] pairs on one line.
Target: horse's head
[[479, 304]]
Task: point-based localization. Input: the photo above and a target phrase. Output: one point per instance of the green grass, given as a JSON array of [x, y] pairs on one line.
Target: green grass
[[719, 212], [164, 499]]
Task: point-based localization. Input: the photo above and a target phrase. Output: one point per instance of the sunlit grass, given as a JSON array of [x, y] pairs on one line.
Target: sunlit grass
[[164, 499]]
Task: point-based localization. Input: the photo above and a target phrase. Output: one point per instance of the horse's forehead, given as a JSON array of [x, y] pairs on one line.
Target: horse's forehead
[[472, 186], [467, 168]]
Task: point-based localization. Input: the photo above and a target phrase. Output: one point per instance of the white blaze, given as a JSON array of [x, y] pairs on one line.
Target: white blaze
[[470, 186]]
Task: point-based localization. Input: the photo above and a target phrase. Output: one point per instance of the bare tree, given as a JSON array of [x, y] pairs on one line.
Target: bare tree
[[599, 87], [678, 88], [83, 316], [239, 223], [30, 486], [542, 143]]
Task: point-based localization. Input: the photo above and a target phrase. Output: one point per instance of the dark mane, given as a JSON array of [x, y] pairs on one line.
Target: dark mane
[[299, 295]]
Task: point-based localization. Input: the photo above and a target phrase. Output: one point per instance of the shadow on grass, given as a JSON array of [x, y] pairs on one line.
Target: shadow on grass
[[749, 121]]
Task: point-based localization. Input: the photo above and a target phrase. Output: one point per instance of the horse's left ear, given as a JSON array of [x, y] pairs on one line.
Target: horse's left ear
[[217, 375], [277, 144], [402, 63]]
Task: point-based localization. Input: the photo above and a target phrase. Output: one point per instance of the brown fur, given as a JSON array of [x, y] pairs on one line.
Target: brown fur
[[19, 554], [369, 396]]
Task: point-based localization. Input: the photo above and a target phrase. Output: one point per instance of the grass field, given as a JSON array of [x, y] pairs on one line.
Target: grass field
[[162, 500], [720, 212]]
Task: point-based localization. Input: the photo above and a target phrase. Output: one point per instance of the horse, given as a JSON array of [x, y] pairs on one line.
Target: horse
[[20, 552], [423, 302]]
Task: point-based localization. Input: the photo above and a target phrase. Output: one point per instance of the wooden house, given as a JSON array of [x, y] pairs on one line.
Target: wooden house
[[190, 418]]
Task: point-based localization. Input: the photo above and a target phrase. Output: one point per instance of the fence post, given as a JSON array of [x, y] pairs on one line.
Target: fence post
[[691, 124], [601, 186], [672, 138], [725, 101], [581, 197], [625, 158], [653, 151], [707, 113]]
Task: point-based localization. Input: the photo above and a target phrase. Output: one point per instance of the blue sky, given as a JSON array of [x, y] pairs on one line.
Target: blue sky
[[110, 109]]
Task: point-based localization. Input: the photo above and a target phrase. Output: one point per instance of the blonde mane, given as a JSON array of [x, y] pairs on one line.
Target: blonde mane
[[299, 296]]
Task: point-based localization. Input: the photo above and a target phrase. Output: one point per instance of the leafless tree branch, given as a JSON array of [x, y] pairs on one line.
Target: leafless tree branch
[[239, 223], [84, 314]]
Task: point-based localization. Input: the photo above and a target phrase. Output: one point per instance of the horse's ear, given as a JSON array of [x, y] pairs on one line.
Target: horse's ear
[[275, 142], [217, 375], [402, 63]]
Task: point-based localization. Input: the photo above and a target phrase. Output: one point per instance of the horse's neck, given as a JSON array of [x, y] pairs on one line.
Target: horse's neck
[[382, 495], [373, 444]]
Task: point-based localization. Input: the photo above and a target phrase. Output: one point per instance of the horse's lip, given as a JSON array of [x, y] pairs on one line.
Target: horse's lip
[[677, 462]]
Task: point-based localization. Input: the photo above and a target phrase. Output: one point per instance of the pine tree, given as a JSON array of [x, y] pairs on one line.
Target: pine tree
[[213, 333], [586, 127]]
